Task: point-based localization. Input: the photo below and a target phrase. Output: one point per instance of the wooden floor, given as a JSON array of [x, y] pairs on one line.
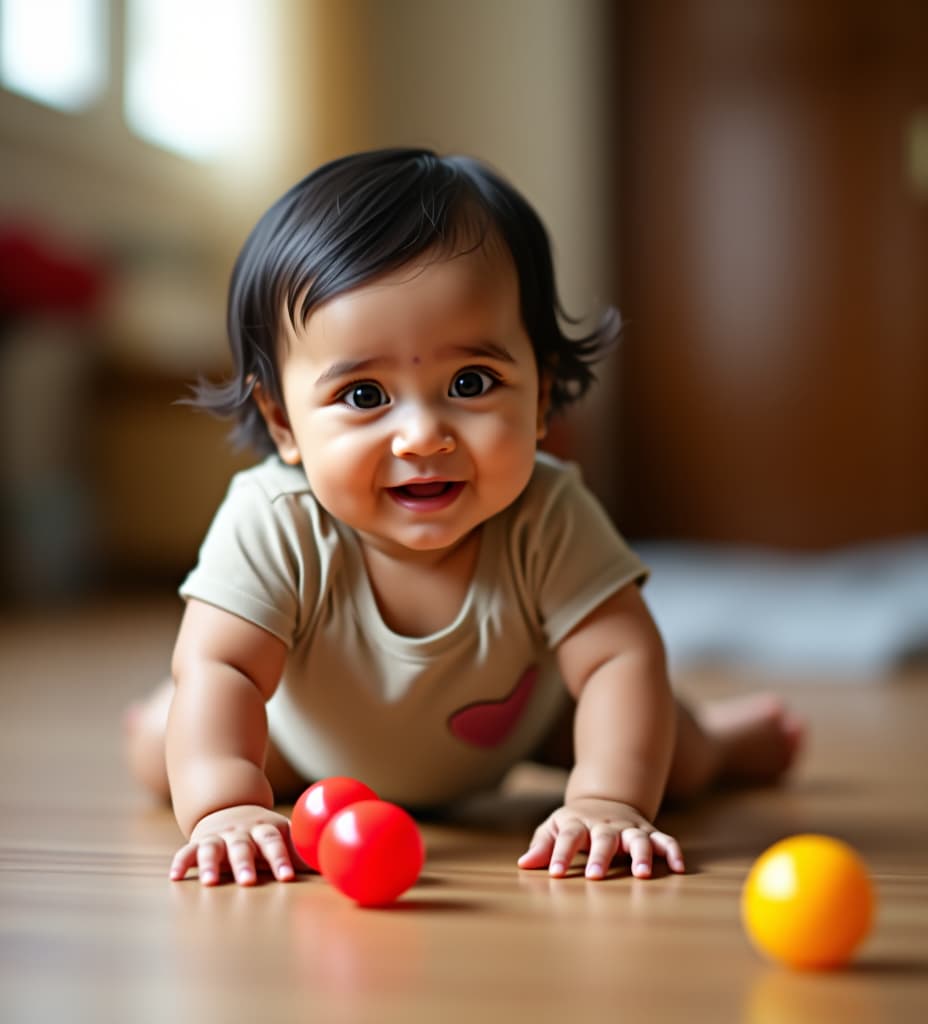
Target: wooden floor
[[92, 930]]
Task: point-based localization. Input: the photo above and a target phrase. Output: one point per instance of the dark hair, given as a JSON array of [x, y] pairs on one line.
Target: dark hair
[[360, 216]]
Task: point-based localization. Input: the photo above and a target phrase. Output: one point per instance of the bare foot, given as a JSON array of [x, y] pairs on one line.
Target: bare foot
[[749, 740], [757, 737], [144, 726]]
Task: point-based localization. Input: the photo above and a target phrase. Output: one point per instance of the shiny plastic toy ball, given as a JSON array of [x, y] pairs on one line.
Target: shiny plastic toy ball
[[316, 806], [371, 851], [808, 902]]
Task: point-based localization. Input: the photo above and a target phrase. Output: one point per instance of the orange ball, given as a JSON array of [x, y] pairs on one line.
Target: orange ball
[[808, 901]]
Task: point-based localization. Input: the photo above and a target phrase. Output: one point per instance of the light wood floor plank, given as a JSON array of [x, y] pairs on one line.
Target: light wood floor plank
[[91, 929]]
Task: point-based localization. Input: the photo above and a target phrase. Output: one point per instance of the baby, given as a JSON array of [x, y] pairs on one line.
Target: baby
[[406, 590]]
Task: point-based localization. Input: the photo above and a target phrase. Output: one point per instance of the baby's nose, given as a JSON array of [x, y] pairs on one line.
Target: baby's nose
[[422, 433]]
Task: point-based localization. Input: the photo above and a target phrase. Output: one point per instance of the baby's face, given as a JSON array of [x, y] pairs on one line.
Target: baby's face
[[414, 401]]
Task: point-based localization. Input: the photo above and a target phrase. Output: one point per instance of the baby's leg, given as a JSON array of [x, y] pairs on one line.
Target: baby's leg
[[145, 727], [749, 740]]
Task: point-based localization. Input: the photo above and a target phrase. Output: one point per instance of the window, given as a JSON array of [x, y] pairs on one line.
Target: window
[[195, 76], [55, 51]]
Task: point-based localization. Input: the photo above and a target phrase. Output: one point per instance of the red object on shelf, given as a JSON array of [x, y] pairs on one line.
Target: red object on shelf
[[38, 277]]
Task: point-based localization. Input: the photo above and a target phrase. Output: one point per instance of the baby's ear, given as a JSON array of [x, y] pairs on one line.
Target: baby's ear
[[278, 425]]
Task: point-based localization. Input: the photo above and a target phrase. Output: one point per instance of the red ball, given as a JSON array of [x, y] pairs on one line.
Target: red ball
[[316, 806], [371, 851]]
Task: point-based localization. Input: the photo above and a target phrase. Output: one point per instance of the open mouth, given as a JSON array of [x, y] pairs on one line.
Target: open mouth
[[431, 495]]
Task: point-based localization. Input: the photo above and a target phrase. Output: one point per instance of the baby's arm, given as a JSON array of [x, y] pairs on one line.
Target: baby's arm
[[624, 730], [225, 669]]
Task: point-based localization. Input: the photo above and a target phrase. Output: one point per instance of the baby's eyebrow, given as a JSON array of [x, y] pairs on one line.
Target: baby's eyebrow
[[346, 368], [485, 349]]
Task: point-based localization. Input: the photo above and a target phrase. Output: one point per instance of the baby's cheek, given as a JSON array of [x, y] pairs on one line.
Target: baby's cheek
[[512, 447], [339, 479], [512, 432]]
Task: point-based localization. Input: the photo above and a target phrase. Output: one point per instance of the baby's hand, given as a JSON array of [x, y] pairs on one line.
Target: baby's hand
[[240, 838], [604, 828]]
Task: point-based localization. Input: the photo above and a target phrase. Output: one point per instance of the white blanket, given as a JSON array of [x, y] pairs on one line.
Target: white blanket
[[856, 611]]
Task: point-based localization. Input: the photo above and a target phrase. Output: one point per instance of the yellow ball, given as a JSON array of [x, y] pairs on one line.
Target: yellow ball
[[808, 901]]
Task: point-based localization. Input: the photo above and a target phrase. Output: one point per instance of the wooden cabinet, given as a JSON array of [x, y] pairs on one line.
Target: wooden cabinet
[[774, 270]]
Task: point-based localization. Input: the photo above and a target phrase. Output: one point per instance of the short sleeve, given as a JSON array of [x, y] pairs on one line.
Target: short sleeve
[[258, 559], [575, 558]]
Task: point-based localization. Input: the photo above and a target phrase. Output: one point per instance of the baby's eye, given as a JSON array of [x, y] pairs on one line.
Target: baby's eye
[[472, 384], [364, 396]]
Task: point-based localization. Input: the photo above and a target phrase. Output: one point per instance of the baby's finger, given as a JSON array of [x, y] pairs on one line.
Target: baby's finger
[[240, 849], [183, 861], [637, 844], [209, 859], [538, 854], [604, 846], [669, 848], [274, 851], [566, 846]]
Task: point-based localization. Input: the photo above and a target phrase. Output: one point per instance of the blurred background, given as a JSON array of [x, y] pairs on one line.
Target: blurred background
[[746, 179]]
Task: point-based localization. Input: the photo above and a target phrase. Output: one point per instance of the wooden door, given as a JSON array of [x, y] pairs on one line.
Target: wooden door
[[774, 270]]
